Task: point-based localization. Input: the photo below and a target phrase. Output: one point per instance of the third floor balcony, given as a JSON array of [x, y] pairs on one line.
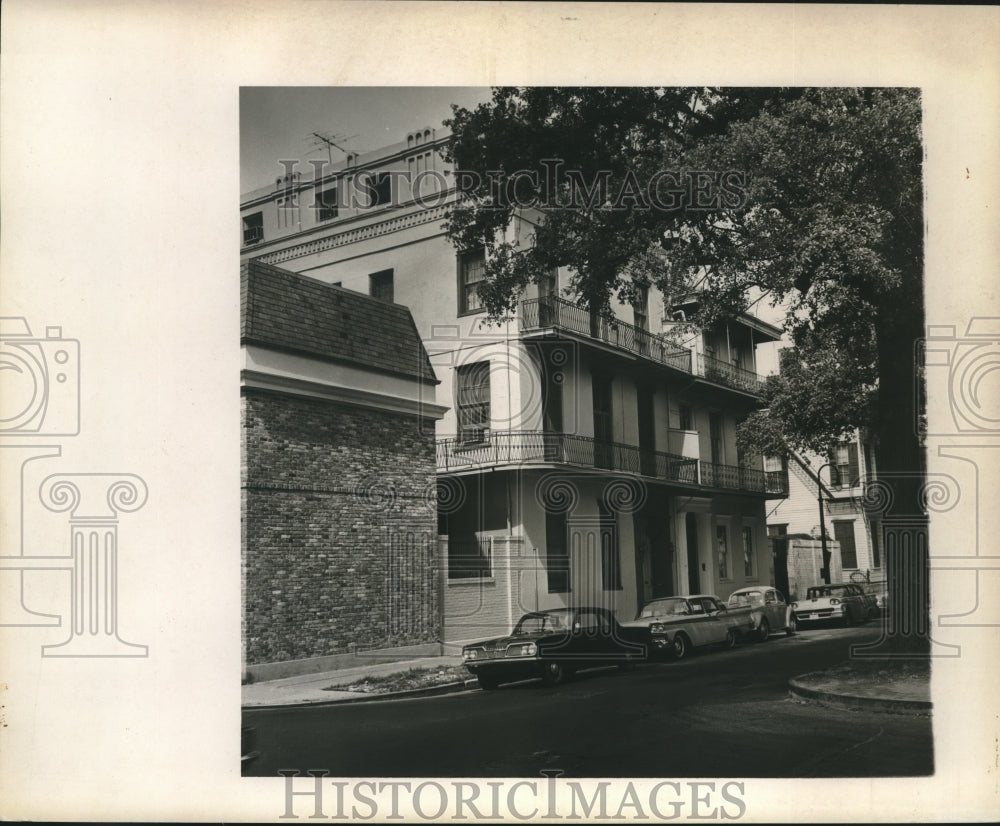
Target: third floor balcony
[[551, 314]]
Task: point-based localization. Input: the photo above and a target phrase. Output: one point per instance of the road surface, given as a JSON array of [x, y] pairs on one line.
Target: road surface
[[717, 714]]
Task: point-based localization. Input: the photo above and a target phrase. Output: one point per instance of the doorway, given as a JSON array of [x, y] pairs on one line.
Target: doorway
[[694, 577]]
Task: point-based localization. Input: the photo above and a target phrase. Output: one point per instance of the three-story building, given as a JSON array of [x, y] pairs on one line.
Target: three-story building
[[583, 459]]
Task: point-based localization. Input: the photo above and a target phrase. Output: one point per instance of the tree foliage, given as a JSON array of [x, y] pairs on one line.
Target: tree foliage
[[829, 227]]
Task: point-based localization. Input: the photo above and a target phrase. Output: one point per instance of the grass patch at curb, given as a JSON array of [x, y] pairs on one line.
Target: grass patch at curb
[[409, 680]]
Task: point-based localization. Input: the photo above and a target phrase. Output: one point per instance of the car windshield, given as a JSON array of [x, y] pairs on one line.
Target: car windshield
[[663, 608], [746, 599], [559, 619]]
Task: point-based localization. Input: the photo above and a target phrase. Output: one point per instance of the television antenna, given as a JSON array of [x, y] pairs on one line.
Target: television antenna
[[331, 141]]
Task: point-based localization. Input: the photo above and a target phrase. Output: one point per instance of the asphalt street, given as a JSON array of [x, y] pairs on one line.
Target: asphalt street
[[719, 713]]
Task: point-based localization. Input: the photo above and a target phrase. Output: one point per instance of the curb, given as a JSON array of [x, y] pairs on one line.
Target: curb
[[800, 691], [447, 688]]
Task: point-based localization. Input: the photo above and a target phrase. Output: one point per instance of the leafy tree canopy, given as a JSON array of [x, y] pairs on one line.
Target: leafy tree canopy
[[823, 219]]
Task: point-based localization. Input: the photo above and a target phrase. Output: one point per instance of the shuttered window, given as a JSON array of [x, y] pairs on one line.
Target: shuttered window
[[843, 532]]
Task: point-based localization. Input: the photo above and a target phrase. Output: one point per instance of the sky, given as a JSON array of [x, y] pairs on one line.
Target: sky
[[276, 122]]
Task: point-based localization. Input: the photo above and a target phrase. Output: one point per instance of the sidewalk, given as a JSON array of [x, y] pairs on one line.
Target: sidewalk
[[871, 685], [308, 688], [875, 685]]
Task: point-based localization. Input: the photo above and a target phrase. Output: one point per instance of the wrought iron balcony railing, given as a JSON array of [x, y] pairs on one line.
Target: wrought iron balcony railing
[[722, 372], [538, 448], [552, 312]]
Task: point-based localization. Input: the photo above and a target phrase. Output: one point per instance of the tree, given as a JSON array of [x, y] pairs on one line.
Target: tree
[[810, 198]]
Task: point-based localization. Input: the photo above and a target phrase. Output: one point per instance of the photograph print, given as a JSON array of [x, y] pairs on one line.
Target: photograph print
[[583, 434]]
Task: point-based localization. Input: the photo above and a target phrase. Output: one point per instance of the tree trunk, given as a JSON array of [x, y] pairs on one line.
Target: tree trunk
[[895, 496]]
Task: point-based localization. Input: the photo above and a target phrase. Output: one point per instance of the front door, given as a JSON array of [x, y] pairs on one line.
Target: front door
[[694, 578]]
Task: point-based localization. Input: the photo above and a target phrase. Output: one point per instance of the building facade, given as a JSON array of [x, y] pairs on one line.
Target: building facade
[[840, 480], [581, 459], [339, 506]]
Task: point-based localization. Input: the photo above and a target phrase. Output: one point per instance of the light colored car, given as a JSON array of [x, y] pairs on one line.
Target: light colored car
[[767, 610], [679, 624], [843, 603]]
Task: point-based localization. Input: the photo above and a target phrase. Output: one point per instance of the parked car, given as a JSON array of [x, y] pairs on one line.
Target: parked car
[[767, 610], [843, 602], [679, 624], [553, 645], [871, 600]]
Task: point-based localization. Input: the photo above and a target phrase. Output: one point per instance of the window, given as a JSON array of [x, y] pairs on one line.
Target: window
[[685, 416], [876, 529], [253, 228], [715, 437], [470, 558], [774, 464], [375, 188], [748, 557], [777, 530], [845, 459], [603, 425], [610, 562], [326, 204], [471, 273], [473, 401], [722, 546], [380, 285], [556, 553], [843, 532], [640, 309]]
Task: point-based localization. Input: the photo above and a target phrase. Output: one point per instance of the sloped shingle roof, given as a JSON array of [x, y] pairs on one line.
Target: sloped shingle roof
[[302, 315]]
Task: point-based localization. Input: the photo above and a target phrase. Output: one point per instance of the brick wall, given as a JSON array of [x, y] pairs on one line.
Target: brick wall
[[339, 529]]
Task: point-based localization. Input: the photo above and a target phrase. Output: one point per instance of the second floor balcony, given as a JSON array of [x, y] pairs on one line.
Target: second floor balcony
[[553, 314], [536, 448]]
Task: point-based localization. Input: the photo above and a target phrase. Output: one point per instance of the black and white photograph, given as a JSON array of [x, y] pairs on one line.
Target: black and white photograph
[[498, 412], [572, 405]]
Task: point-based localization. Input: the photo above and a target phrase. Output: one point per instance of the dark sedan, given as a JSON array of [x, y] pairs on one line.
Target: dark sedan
[[553, 645]]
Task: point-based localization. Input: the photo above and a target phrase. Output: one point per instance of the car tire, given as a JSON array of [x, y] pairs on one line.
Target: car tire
[[730, 641], [793, 625], [487, 683], [680, 646], [554, 673], [763, 630], [848, 619]]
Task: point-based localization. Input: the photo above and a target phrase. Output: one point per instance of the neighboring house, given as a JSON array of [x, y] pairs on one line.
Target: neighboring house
[[339, 512], [845, 472], [582, 460]]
